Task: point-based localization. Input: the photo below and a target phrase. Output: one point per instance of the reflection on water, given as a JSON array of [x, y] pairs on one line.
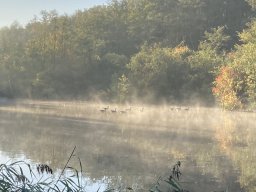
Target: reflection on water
[[217, 149]]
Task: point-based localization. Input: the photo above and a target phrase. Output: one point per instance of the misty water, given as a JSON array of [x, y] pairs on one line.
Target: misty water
[[217, 149]]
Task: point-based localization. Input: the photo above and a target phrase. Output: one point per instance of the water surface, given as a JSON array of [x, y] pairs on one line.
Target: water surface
[[217, 149]]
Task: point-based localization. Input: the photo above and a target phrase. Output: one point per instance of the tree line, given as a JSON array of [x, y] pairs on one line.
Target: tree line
[[164, 50]]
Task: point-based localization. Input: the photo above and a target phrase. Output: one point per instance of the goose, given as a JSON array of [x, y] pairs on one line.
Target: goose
[[178, 108], [122, 111], [186, 108], [103, 110], [113, 110], [128, 109]]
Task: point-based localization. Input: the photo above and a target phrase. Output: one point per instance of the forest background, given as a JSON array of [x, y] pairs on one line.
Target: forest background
[[175, 51]]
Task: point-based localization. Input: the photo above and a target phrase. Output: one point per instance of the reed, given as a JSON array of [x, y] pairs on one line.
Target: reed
[[172, 181], [13, 179]]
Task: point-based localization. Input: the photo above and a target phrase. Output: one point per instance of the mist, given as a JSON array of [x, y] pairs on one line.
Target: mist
[[135, 143], [140, 89]]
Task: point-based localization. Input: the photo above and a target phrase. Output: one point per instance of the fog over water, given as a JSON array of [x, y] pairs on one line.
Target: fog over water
[[133, 145]]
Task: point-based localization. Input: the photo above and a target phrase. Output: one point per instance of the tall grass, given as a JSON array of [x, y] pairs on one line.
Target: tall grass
[[172, 181], [14, 179], [21, 177]]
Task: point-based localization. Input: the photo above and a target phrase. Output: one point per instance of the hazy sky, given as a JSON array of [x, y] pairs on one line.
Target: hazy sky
[[24, 10]]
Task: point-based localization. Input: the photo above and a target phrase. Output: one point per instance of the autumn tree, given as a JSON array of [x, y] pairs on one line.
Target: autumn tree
[[235, 86]]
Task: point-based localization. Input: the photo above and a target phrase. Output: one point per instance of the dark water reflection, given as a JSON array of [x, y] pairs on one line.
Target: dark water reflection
[[217, 149]]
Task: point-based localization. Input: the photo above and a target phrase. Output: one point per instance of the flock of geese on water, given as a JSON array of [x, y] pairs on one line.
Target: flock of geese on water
[[107, 109]]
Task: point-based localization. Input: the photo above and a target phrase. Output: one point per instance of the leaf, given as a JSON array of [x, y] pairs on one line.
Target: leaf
[[176, 186]]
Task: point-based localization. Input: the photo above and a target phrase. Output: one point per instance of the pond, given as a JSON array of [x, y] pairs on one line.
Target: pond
[[134, 145]]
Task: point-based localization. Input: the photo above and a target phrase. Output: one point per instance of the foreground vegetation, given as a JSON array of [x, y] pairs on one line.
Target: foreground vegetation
[[20, 177], [156, 50], [13, 178]]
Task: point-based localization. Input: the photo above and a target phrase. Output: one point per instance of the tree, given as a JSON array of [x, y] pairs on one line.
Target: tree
[[12, 61], [160, 71], [252, 3], [227, 88], [239, 77], [123, 88], [205, 62]]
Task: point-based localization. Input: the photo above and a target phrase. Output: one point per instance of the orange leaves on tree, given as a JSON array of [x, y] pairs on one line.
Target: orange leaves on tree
[[225, 88]]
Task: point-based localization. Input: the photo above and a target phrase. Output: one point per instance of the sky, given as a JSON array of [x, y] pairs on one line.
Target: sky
[[23, 11]]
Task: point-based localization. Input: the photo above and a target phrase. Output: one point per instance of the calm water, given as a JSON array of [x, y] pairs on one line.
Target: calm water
[[217, 149]]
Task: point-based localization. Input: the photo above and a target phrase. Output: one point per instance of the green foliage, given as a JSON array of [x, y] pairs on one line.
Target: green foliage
[[161, 71], [245, 63], [204, 63], [243, 76], [12, 60], [61, 56], [242, 63], [252, 3], [123, 87], [215, 40]]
